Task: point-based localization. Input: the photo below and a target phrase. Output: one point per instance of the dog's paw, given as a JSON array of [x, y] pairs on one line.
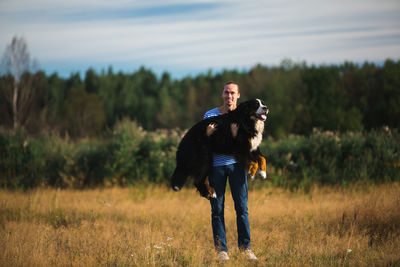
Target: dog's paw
[[211, 195], [252, 177], [263, 174], [176, 188]]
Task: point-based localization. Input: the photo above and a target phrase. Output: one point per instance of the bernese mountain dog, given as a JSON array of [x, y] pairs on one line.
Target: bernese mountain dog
[[194, 156]]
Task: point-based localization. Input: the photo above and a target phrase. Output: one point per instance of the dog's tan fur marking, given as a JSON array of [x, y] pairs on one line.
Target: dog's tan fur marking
[[255, 165]]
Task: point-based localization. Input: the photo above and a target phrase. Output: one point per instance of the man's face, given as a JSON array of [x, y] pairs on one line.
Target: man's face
[[230, 95]]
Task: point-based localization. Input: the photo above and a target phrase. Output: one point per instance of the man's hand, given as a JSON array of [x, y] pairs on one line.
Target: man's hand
[[211, 128], [234, 129]]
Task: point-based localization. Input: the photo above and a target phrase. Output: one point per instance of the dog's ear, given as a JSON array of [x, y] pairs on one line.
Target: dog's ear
[[255, 104], [252, 106], [249, 107]]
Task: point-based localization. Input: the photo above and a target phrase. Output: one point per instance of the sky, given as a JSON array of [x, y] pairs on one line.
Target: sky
[[189, 37]]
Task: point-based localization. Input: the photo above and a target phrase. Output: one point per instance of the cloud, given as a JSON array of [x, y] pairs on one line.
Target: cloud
[[198, 35]]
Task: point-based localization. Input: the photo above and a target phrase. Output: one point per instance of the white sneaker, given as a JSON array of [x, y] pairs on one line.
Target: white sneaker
[[223, 256], [250, 255]]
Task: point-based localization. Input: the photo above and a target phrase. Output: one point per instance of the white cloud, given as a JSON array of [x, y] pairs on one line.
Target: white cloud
[[220, 34]]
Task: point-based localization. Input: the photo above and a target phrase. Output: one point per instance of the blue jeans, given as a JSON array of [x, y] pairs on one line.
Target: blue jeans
[[238, 184]]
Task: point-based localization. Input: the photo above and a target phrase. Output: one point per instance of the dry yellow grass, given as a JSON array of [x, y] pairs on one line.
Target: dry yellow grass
[[153, 226]]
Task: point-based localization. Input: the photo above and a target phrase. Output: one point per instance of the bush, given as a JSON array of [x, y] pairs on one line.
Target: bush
[[328, 158], [137, 155], [23, 161], [91, 166], [124, 148], [133, 155]]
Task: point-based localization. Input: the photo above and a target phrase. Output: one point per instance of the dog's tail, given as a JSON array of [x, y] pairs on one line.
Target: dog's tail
[[178, 178]]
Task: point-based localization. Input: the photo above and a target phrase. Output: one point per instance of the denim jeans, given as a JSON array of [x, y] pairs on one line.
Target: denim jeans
[[238, 184]]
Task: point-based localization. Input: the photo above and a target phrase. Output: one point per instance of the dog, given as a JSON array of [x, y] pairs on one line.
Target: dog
[[194, 156]]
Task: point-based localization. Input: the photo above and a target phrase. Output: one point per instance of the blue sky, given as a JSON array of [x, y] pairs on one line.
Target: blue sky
[[187, 37]]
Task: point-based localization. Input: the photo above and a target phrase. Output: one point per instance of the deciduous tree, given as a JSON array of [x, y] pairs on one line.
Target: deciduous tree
[[18, 65]]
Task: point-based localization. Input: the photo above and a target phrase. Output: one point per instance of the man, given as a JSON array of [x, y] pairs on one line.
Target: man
[[226, 166]]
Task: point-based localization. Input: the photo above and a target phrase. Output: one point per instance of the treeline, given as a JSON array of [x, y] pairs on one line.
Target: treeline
[[345, 97]]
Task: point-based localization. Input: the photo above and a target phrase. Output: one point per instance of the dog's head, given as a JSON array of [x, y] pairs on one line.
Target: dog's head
[[255, 109]]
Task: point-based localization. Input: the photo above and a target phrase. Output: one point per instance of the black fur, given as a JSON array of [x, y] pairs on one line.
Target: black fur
[[195, 151]]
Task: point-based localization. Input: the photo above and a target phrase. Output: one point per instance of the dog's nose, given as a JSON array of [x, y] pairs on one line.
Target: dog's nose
[[266, 110]]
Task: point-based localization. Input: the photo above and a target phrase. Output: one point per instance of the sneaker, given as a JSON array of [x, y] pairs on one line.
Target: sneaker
[[250, 255], [223, 256]]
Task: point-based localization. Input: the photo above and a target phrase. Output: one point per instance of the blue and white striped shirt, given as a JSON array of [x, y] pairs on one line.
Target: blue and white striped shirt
[[219, 159]]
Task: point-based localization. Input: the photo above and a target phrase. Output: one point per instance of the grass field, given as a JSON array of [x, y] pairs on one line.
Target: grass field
[[153, 226]]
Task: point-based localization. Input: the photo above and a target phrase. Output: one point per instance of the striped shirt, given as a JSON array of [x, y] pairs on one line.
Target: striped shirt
[[219, 159]]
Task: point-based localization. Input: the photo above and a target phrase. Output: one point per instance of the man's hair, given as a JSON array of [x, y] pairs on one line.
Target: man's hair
[[232, 82]]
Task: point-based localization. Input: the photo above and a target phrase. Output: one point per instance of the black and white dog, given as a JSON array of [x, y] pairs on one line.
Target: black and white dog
[[194, 157]]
